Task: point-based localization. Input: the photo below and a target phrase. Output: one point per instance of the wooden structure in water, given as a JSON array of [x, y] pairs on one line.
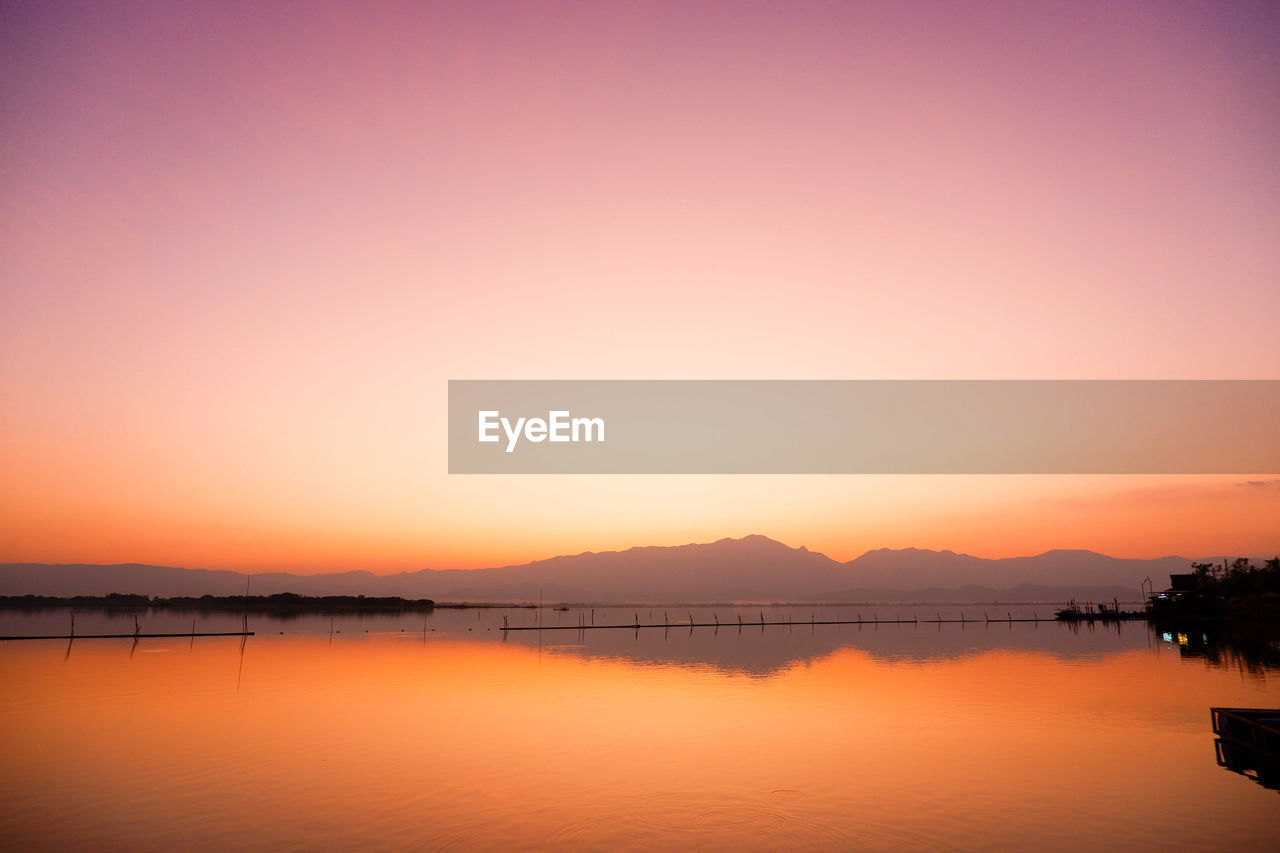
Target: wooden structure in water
[[1248, 742], [139, 636], [1098, 613], [582, 625]]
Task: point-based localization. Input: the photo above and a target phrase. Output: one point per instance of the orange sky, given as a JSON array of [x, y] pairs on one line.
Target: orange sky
[[243, 251]]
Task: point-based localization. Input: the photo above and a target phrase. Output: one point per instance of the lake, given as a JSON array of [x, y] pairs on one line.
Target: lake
[[439, 731]]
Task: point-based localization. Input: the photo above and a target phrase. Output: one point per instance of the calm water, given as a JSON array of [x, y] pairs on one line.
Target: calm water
[[435, 732]]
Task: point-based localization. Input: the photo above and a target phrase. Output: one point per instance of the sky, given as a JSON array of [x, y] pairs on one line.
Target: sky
[[243, 248]]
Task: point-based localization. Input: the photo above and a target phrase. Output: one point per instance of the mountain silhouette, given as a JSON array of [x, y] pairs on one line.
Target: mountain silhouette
[[753, 568]]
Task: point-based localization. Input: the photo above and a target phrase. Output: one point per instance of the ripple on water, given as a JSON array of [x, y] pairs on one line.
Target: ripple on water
[[679, 809], [665, 818], [782, 818]]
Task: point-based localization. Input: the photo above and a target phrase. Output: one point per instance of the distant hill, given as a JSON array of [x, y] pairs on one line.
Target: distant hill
[[912, 568], [754, 568]]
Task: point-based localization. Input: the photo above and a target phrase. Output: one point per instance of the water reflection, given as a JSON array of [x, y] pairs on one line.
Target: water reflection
[[745, 648], [766, 651], [389, 732], [1250, 647]]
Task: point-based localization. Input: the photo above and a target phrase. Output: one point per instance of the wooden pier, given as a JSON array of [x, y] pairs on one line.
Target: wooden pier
[[138, 633], [766, 623], [139, 636]]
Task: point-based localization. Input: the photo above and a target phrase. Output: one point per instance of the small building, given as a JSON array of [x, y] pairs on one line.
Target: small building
[[1179, 585]]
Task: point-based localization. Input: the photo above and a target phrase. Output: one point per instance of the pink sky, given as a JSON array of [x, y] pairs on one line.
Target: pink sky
[[244, 246]]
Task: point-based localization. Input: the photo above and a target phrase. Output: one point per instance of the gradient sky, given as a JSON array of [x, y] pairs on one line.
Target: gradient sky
[[244, 246]]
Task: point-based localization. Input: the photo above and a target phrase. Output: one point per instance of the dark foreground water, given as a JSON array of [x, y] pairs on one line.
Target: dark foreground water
[[426, 732]]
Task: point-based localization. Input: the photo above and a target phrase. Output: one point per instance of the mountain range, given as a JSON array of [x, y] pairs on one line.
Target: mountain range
[[754, 568]]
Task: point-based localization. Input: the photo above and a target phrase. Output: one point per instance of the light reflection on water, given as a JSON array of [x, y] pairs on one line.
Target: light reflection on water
[[373, 732]]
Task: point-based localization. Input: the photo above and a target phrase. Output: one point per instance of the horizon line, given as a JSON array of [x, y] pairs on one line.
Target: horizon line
[[588, 553]]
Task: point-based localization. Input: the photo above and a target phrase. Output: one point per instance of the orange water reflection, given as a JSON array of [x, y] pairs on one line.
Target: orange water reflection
[[397, 740]]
